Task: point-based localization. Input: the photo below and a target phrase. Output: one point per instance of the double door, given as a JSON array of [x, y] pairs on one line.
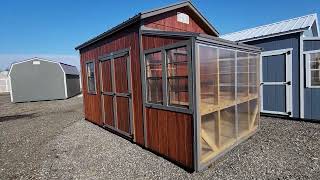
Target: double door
[[116, 92]]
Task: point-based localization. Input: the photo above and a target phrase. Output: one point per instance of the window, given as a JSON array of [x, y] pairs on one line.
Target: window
[[313, 69], [91, 77], [154, 77], [177, 75], [167, 77]]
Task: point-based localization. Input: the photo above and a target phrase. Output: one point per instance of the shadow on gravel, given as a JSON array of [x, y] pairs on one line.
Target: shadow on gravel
[[15, 117]]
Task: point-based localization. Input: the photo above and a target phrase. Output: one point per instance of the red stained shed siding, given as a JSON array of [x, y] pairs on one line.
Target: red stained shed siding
[[128, 38], [168, 22]]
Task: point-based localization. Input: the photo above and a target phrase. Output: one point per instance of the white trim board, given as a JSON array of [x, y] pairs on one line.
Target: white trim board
[[288, 79], [276, 52], [311, 38], [308, 71], [64, 81], [312, 51], [301, 71]]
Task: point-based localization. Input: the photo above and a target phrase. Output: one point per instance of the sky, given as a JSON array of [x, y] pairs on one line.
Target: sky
[[51, 29]]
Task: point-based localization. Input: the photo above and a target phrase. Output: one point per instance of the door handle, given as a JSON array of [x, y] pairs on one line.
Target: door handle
[[261, 83], [288, 83]]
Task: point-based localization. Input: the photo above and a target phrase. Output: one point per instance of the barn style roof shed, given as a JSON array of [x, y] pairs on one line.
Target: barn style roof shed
[[39, 79], [164, 80], [290, 66]]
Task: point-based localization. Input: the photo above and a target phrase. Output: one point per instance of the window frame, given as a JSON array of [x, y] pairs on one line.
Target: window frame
[[165, 105], [308, 69], [95, 79]]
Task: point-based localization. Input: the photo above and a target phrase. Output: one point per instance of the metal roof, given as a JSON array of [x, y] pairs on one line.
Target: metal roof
[[270, 30], [146, 14], [69, 69]]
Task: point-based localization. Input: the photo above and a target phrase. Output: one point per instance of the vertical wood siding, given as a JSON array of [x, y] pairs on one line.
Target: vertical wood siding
[[168, 22], [150, 42], [170, 134], [92, 103]]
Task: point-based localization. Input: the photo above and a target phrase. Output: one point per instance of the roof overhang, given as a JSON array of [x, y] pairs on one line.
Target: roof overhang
[[147, 14], [285, 27], [203, 38], [272, 35]]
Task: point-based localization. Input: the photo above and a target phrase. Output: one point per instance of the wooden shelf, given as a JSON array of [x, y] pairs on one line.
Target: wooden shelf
[[206, 108], [229, 101]]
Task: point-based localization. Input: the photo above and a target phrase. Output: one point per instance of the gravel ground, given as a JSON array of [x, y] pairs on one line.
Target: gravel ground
[[50, 140]]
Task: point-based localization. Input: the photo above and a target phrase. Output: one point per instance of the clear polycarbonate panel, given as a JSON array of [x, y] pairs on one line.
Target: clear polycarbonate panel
[[227, 59], [208, 60], [228, 126], [228, 112], [242, 75], [253, 74], [209, 134], [243, 119], [254, 116]]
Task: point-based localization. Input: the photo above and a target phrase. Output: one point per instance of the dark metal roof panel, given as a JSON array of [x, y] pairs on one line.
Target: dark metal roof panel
[[69, 69]]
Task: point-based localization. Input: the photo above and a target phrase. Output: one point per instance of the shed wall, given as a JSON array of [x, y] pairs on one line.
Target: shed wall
[[168, 22], [283, 42], [168, 133], [44, 81], [73, 85], [309, 45], [128, 38], [311, 95]]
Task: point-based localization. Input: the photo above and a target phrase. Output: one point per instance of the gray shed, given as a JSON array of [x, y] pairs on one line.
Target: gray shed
[[39, 79]]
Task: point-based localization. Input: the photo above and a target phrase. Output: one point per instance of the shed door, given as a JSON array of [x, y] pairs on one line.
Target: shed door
[[276, 82], [116, 93]]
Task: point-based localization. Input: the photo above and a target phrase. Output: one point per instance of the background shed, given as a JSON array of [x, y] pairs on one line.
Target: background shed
[[285, 87], [38, 79], [4, 82]]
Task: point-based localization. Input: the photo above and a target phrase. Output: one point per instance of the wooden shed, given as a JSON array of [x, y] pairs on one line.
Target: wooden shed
[[164, 80]]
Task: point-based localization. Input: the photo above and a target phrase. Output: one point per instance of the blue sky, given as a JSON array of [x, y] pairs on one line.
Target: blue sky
[[51, 29]]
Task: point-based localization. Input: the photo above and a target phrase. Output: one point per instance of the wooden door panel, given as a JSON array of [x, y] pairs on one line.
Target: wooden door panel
[[121, 78], [123, 114], [108, 110], [116, 94], [106, 77]]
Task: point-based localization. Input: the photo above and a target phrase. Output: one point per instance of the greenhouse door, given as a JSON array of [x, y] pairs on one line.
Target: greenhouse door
[[276, 93], [116, 92]]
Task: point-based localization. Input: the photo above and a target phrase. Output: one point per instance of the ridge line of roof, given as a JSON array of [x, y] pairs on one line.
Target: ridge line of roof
[[278, 22], [138, 17]]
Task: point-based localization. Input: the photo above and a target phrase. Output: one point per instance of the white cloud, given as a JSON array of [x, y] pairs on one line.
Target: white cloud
[[7, 59]]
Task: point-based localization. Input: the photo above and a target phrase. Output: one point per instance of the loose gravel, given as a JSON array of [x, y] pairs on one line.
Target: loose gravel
[[50, 140]]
